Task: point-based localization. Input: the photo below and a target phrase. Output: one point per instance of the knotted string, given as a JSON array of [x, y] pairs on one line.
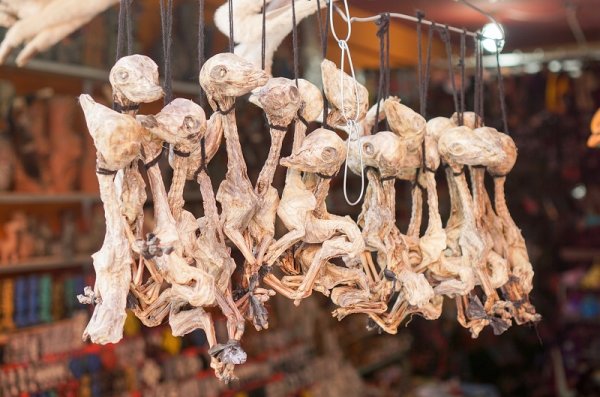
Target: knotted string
[[420, 16], [201, 56], [383, 90], [501, 89], [166, 18], [231, 42], [445, 36], [295, 42], [423, 76]]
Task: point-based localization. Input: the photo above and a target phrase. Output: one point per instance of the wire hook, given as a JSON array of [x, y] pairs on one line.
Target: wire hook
[[351, 122]]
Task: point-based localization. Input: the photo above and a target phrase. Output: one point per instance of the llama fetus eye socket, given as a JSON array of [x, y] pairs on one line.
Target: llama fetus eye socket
[[191, 124], [368, 149], [219, 72], [328, 154], [123, 75], [457, 149]]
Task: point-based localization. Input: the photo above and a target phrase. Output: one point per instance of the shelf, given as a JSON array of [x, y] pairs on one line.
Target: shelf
[[48, 198], [68, 198], [46, 263]]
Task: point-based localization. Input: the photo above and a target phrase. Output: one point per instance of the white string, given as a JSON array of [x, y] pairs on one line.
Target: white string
[[351, 122]]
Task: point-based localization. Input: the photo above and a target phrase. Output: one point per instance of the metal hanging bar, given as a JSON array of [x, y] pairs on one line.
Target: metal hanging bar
[[412, 18]]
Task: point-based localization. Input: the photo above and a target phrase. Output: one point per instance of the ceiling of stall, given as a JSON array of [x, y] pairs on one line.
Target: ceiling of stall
[[528, 23]]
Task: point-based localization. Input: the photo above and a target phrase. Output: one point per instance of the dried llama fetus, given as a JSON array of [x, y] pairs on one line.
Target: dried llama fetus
[[225, 77], [280, 100], [247, 18], [456, 146], [349, 101], [182, 124], [116, 136], [41, 24], [383, 154], [134, 80], [321, 153]]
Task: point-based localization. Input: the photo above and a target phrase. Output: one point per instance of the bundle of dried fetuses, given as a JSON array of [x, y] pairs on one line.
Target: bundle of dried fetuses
[[183, 264]]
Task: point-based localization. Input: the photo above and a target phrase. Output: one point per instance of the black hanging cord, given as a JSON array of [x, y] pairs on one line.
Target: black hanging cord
[[501, 91], [478, 89], [425, 81], [124, 39], [461, 112], [263, 41], [445, 36], [383, 34], [166, 17], [231, 42], [420, 16], [129, 28], [319, 19], [201, 56], [324, 55], [295, 42]]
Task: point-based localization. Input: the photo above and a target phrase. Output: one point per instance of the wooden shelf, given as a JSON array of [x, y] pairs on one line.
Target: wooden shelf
[[46, 263], [48, 198], [67, 198]]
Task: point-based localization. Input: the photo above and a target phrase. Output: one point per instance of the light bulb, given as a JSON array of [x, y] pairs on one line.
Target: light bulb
[[493, 38]]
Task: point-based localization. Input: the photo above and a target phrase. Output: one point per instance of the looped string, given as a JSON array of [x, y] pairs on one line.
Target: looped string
[[231, 42], [501, 89], [166, 18], [351, 123], [445, 36], [201, 56], [383, 33], [461, 110]]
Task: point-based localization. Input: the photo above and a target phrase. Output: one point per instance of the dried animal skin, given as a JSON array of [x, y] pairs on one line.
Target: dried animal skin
[[41, 24], [225, 77], [131, 190], [349, 101], [474, 248], [410, 126], [322, 152], [247, 18], [134, 80], [182, 124], [280, 100], [112, 264], [116, 136]]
